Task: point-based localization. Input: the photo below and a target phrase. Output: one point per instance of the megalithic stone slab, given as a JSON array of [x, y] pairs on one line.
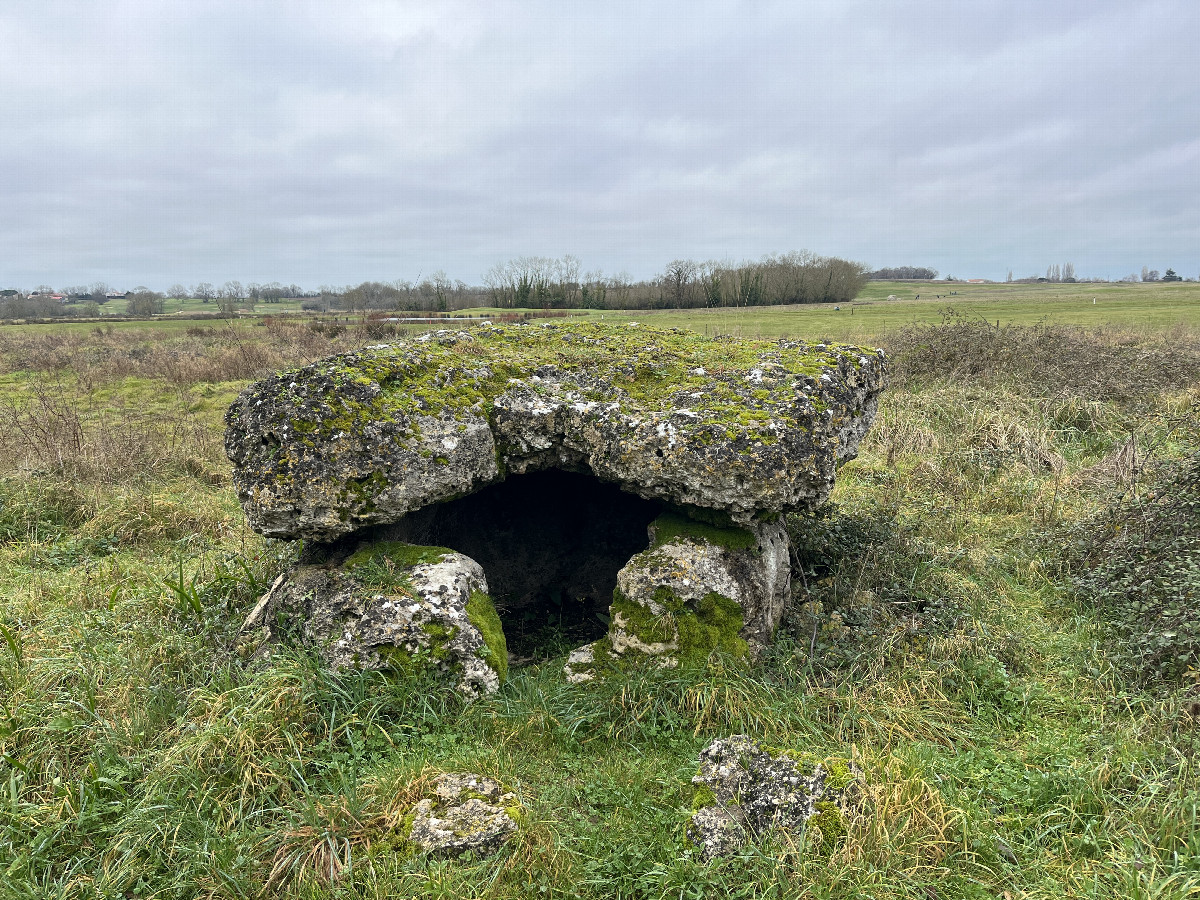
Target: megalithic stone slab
[[729, 431]]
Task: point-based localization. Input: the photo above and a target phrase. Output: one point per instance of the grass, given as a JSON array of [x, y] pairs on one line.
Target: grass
[[1139, 307], [934, 638], [1149, 307]]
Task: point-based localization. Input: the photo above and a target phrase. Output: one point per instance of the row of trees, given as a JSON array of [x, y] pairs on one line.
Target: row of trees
[[533, 282], [800, 277], [1064, 274], [1149, 274], [904, 273]]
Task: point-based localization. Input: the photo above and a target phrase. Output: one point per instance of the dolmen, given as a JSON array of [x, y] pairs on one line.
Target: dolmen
[[454, 486]]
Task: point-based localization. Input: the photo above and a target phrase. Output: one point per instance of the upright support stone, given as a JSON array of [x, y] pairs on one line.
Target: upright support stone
[[697, 590], [389, 606]]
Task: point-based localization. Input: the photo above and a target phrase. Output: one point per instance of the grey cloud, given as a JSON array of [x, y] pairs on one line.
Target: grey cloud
[[320, 142]]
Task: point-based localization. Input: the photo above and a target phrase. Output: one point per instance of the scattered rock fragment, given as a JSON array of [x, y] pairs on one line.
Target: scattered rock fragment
[[469, 813], [744, 791]]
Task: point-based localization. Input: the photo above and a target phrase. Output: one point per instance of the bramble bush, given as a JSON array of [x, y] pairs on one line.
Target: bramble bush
[[1138, 563]]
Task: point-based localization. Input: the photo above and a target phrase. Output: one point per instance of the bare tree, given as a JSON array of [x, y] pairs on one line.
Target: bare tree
[[231, 297], [204, 292], [142, 301], [442, 288], [677, 282]]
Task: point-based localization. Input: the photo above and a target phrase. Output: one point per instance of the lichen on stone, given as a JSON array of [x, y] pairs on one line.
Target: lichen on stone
[[467, 814], [744, 791], [735, 430], [409, 609]]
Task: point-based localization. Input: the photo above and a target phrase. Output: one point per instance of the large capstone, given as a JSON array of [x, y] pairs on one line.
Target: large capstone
[[732, 431]]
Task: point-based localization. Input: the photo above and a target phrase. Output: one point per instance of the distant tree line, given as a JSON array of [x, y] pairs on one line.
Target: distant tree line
[[536, 282], [800, 277], [904, 273], [1149, 274], [16, 305], [540, 282]]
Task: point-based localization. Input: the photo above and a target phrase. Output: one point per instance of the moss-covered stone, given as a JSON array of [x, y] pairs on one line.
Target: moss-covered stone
[[698, 590], [411, 610], [745, 790], [467, 813], [738, 428], [672, 526]]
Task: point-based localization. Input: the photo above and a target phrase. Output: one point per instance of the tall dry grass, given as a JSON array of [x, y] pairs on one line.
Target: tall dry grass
[[1100, 364]]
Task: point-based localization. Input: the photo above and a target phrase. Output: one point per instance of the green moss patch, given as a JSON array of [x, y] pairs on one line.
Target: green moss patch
[[703, 797], [829, 824], [712, 627], [672, 526], [400, 661], [385, 565], [640, 621], [482, 614]]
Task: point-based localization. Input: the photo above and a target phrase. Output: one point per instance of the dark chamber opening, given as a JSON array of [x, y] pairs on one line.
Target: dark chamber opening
[[551, 544]]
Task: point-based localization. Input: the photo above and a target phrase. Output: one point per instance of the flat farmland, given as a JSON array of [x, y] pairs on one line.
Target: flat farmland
[[1139, 307]]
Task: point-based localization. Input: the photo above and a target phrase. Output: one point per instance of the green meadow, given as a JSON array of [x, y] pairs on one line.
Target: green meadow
[[1132, 306], [992, 617]]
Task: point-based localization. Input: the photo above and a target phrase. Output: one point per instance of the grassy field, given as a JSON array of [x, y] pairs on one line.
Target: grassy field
[[1132, 306], [1010, 746]]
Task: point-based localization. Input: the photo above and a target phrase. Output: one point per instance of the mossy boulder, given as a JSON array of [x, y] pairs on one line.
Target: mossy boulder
[[697, 590], [744, 790], [413, 610], [731, 431]]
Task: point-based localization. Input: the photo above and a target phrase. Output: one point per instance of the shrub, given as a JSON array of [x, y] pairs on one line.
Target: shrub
[[862, 582], [1046, 360], [1138, 562]]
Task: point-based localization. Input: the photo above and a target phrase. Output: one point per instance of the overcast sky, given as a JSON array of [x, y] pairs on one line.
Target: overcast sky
[[320, 142]]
